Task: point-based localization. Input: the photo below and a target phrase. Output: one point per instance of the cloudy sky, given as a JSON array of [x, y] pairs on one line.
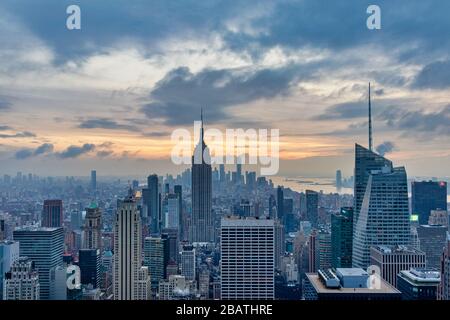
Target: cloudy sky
[[108, 96]]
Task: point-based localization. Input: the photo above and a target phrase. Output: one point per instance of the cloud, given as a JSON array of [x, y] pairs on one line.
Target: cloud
[[4, 105], [348, 110], [385, 148], [104, 153], [104, 123], [45, 148], [435, 75], [178, 97], [76, 151], [24, 134], [4, 128], [419, 122], [23, 154], [156, 134]]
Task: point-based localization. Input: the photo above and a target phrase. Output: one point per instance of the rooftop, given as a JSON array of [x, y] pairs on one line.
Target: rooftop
[[320, 287], [396, 249]]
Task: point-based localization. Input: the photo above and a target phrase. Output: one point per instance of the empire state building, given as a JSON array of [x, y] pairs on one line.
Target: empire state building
[[202, 228]]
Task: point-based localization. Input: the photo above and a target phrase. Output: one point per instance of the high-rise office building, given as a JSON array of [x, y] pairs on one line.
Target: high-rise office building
[[9, 253], [222, 175], [444, 290], [418, 284], [338, 179], [172, 218], [127, 249], [156, 257], [178, 190], [238, 173], [45, 247], [187, 262], [382, 218], [280, 243], [171, 235], [202, 228], [427, 196], [432, 241], [312, 207], [22, 281], [92, 230], [247, 263], [143, 284], [89, 261], [280, 204], [52, 214], [2, 229], [365, 162], [393, 259], [76, 220], [93, 180], [342, 238], [154, 210]]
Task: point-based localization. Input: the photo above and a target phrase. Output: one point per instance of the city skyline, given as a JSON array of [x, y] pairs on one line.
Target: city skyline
[[109, 95]]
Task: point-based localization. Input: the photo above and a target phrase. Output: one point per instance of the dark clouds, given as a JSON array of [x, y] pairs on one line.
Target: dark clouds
[[420, 122], [76, 151], [435, 75], [23, 134], [179, 96], [349, 110], [421, 25], [45, 148], [104, 123]]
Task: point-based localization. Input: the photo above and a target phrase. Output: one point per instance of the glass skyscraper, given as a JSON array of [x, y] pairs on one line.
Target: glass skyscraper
[[427, 196], [382, 211], [45, 247], [342, 238]]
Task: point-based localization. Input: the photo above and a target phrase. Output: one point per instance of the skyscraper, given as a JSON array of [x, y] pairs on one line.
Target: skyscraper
[[202, 219], [178, 190], [427, 196], [312, 207], [432, 240], [187, 262], [393, 259], [247, 263], [342, 238], [444, 292], [156, 257], [418, 284], [45, 247], [22, 281], [382, 212], [222, 175], [93, 180], [52, 214], [127, 249], [280, 204], [89, 261], [9, 253], [172, 218], [338, 179], [280, 243], [92, 230], [154, 210]]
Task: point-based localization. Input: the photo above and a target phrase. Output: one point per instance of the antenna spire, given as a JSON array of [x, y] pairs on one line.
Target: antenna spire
[[201, 132], [370, 122]]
